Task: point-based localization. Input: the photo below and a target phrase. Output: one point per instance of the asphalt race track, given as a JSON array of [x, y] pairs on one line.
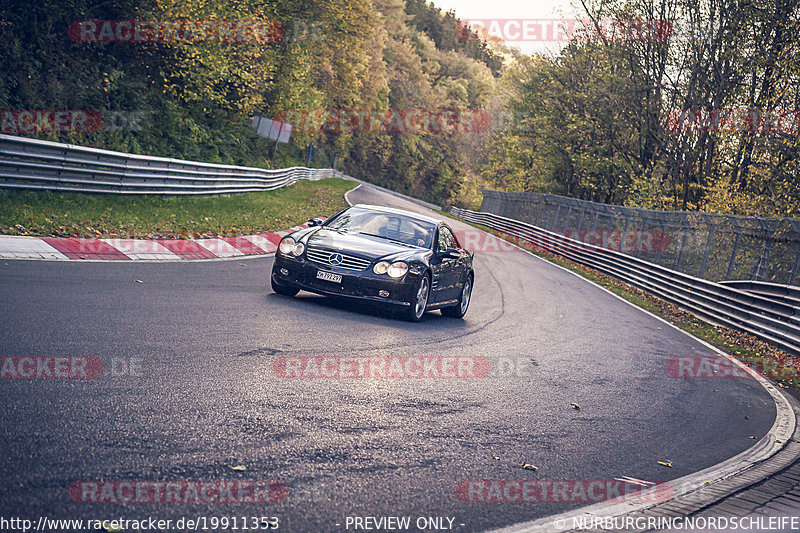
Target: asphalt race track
[[202, 395]]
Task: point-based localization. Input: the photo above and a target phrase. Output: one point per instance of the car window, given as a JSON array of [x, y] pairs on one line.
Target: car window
[[391, 226], [446, 239], [455, 244]]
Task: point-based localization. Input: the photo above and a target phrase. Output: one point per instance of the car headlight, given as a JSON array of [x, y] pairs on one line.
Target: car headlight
[[381, 267], [288, 246], [397, 270]]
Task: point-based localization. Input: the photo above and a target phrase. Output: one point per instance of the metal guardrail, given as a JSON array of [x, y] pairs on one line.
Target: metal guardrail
[[789, 294], [35, 164], [768, 318]]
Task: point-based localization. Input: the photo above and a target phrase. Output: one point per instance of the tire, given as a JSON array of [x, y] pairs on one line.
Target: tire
[[285, 290], [460, 309], [420, 300]]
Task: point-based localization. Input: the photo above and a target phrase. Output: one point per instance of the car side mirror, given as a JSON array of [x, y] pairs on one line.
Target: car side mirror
[[315, 222]]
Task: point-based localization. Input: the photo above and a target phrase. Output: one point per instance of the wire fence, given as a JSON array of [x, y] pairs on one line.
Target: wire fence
[[710, 246], [766, 310]]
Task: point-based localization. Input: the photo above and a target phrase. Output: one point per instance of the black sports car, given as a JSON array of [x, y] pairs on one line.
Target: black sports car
[[380, 254]]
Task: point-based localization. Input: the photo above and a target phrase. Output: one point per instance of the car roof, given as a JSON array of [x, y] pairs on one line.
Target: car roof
[[410, 214]]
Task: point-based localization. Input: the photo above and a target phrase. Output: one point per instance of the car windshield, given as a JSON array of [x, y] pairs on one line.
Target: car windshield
[[390, 226]]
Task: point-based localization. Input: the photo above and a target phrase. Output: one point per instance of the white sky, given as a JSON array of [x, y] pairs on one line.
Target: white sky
[[519, 10]]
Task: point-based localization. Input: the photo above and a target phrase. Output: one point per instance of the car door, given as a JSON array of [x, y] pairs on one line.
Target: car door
[[446, 268], [462, 265]]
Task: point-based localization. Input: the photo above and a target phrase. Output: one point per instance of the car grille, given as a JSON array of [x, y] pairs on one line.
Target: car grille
[[348, 261]]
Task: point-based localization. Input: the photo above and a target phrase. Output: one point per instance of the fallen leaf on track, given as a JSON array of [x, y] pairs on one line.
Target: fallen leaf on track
[[576, 406], [138, 281], [665, 463], [238, 468], [528, 466]]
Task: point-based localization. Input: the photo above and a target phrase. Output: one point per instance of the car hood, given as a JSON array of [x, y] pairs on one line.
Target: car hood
[[361, 245]]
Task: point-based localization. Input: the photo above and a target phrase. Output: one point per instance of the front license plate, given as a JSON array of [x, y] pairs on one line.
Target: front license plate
[[329, 276]]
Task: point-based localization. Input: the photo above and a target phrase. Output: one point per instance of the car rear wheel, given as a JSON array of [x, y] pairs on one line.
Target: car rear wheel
[[419, 301], [460, 309], [285, 290]]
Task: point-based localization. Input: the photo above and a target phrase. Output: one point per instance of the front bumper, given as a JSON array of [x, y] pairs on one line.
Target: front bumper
[[364, 284]]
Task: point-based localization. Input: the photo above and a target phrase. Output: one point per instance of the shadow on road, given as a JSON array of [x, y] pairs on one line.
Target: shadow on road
[[368, 311]]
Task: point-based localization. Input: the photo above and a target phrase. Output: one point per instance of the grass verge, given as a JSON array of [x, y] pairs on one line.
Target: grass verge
[[53, 214], [770, 361]]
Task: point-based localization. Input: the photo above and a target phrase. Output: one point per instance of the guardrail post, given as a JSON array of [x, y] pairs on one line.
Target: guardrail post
[[661, 246], [555, 217], [709, 237], [683, 241], [526, 208], [761, 268], [796, 267], [539, 210], [735, 246]]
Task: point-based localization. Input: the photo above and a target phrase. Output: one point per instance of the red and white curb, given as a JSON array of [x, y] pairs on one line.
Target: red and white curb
[[12, 247]]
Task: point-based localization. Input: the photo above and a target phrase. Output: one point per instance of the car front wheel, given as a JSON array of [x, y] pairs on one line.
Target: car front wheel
[[419, 300], [460, 309]]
